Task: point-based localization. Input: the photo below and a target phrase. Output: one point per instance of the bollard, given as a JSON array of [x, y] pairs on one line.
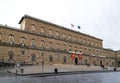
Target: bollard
[[115, 69], [55, 70]]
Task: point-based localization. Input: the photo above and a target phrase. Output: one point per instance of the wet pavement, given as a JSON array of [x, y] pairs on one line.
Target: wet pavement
[[84, 77], [112, 77]]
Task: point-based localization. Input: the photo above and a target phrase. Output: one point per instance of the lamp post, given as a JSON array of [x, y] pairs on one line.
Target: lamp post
[[42, 62]]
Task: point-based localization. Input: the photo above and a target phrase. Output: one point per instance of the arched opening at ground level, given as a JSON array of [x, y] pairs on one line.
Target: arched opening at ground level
[[76, 60]]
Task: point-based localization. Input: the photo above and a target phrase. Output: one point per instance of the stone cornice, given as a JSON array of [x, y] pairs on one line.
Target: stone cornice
[[58, 26]]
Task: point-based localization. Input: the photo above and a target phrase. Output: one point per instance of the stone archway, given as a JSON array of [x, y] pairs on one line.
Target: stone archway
[[76, 60]]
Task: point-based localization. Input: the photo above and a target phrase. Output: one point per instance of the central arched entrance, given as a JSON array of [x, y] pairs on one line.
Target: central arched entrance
[[76, 60]]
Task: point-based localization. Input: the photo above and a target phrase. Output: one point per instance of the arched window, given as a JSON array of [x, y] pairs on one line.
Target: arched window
[[33, 43], [112, 63], [88, 42], [42, 30], [75, 38], [92, 43], [23, 41], [33, 57], [96, 43], [22, 52], [70, 48], [11, 39], [50, 32], [80, 39], [63, 36], [84, 41], [57, 34], [64, 59], [33, 27], [94, 62], [86, 61], [42, 43], [57, 46], [106, 63], [64, 47], [69, 37], [75, 49], [57, 57], [11, 54], [50, 44], [80, 49], [50, 58]]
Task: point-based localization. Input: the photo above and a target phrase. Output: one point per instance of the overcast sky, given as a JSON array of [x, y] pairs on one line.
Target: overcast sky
[[98, 18]]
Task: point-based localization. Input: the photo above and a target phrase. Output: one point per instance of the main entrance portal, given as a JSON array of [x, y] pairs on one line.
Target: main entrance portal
[[76, 60]]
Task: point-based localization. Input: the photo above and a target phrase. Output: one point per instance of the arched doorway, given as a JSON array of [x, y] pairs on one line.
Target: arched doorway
[[76, 60]]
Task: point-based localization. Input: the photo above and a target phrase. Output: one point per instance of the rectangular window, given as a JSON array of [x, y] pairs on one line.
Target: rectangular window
[[33, 43], [23, 52]]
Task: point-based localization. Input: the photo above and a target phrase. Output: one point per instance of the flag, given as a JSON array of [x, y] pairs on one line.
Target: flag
[[78, 27], [72, 25], [72, 56], [80, 56]]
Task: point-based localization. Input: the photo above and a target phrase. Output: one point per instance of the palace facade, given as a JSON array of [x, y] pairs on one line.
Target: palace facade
[[40, 41]]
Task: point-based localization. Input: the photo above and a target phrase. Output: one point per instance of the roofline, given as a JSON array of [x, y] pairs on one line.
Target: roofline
[[27, 16]]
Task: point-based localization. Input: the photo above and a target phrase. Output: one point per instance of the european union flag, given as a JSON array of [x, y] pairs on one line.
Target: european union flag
[[78, 27]]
